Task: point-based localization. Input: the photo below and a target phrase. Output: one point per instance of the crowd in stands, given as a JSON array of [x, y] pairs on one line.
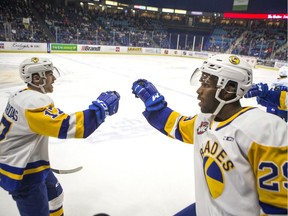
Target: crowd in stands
[[282, 54], [18, 23], [223, 37], [71, 24], [43, 21], [261, 42]]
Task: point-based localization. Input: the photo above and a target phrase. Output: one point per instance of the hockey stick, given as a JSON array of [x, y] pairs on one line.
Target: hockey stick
[[58, 171]]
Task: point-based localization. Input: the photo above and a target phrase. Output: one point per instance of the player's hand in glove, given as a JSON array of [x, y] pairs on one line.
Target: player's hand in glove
[[105, 105], [148, 93], [259, 89]]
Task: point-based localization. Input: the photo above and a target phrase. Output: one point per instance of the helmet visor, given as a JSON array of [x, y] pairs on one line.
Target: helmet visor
[[199, 78], [56, 73]]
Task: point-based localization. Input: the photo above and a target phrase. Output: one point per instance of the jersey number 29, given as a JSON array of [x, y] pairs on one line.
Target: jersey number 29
[[267, 181]]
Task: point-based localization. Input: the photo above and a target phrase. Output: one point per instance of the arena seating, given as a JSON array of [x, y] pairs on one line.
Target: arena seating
[[44, 22]]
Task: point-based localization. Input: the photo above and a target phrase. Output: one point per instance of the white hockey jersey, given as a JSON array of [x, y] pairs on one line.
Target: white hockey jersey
[[29, 119], [240, 164]]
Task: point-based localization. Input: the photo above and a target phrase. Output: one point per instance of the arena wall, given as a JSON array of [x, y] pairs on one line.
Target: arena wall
[[28, 47]]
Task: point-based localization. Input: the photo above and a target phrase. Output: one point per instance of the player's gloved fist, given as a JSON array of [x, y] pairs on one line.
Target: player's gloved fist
[[259, 89], [105, 105], [263, 102], [148, 93]]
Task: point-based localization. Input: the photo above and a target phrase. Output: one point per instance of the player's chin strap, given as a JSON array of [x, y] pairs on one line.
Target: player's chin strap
[[222, 102], [40, 86]]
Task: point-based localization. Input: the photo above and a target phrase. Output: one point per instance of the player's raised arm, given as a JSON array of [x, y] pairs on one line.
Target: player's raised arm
[[28, 121], [240, 153]]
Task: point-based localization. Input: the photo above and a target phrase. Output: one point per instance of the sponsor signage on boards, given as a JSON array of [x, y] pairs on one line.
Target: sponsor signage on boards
[[64, 47]]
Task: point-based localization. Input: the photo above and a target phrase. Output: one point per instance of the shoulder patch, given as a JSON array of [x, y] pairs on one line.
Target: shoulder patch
[[202, 128]]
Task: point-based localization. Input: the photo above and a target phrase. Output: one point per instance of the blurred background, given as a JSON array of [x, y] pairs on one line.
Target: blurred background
[[255, 28]]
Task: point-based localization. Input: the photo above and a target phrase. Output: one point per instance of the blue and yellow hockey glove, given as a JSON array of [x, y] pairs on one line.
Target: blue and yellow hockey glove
[[106, 104], [148, 93], [259, 90]]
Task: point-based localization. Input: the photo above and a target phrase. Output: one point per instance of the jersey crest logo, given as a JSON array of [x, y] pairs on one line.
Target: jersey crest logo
[[214, 176], [202, 128]]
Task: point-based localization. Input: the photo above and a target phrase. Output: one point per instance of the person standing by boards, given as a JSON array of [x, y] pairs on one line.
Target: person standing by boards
[[28, 121], [240, 153]]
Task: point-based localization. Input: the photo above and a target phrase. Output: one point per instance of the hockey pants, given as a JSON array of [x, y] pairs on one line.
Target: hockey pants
[[44, 198]]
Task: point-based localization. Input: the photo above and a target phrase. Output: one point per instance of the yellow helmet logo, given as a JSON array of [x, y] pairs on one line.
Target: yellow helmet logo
[[34, 59], [234, 60]]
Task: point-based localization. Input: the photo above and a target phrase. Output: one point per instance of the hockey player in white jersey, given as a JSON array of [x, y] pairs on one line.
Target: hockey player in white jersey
[[274, 99], [29, 119], [240, 153]]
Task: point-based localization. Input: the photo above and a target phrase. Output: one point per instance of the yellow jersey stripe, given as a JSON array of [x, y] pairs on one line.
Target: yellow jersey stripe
[[79, 125], [283, 105], [26, 172], [228, 121]]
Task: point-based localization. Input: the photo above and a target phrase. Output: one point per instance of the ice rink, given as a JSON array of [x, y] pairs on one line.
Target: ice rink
[[129, 168]]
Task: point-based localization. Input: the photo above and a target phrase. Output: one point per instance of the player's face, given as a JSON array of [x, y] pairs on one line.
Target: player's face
[[50, 78], [206, 93]]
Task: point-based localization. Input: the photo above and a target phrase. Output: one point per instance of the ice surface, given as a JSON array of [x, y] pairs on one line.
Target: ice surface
[[130, 169]]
